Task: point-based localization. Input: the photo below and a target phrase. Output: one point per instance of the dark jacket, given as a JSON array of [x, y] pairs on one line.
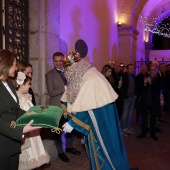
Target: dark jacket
[[139, 85], [116, 77], [151, 93], [125, 85], [33, 97], [10, 138]]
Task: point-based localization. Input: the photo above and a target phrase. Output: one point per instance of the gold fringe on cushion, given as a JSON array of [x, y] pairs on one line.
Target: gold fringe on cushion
[[13, 124], [57, 130]]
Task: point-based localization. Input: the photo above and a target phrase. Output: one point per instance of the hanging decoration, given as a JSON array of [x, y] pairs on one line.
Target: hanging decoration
[[157, 25]]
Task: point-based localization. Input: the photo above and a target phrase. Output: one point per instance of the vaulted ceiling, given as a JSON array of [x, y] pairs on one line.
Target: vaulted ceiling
[[130, 10]]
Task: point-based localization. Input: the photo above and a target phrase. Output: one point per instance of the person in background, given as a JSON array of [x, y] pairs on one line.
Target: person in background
[[123, 68], [161, 74], [26, 68], [112, 64], [128, 94], [166, 90], [10, 135], [139, 89], [32, 155], [154, 63], [107, 72], [150, 103], [117, 76], [56, 86]]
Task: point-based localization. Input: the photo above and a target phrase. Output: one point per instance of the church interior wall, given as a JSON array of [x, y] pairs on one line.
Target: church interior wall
[[161, 55], [95, 23]]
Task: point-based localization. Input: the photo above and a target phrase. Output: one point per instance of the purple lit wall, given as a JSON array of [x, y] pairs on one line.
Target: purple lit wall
[[140, 44], [160, 55], [93, 21]]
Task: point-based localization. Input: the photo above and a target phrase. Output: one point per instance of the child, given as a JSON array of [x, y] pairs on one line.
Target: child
[[33, 153]]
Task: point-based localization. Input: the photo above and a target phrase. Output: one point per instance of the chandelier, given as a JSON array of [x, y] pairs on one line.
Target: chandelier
[[157, 25]]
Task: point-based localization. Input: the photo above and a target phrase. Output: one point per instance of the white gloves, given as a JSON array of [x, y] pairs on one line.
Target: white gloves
[[67, 128]]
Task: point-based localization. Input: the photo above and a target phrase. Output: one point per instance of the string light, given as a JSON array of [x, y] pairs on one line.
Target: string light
[[156, 25]]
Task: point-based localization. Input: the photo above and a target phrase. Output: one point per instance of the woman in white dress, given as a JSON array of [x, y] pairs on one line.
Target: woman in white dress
[[33, 153]]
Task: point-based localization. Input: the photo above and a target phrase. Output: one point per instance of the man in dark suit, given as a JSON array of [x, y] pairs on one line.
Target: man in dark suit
[[139, 80], [150, 103], [56, 86]]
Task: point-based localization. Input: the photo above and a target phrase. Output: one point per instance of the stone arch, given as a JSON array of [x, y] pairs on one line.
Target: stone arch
[[130, 11]]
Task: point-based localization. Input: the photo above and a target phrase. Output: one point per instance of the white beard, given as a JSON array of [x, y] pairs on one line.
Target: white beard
[[74, 75]]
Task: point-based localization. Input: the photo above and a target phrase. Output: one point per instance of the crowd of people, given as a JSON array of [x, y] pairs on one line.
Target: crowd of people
[[148, 93], [22, 147], [98, 104]]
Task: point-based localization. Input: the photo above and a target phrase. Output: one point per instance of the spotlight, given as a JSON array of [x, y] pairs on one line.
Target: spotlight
[[119, 24]]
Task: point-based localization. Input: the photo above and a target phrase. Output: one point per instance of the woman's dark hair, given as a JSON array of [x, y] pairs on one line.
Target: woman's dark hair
[[104, 71], [6, 61], [22, 65]]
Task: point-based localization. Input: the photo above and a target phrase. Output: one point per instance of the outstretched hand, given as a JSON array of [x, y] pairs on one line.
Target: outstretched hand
[[29, 128]]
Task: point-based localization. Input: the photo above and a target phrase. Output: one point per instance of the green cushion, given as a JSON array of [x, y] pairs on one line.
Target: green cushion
[[44, 117]]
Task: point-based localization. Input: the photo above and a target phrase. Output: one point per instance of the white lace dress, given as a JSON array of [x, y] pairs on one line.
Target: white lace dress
[[33, 154]]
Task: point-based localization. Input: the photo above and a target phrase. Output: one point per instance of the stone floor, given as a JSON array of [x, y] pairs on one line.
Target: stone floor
[[146, 154]]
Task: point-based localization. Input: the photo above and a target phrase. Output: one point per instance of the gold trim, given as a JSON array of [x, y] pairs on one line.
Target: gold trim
[[88, 128], [94, 151], [65, 110], [13, 125], [80, 123], [53, 129]]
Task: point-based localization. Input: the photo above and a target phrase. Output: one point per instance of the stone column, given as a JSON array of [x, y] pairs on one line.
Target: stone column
[[43, 42], [127, 36], [148, 47]]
